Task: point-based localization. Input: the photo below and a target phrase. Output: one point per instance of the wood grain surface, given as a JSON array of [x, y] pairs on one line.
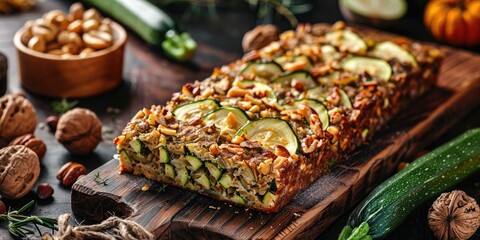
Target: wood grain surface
[[178, 214]]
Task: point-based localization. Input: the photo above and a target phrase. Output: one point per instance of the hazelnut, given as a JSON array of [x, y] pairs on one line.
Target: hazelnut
[[70, 172], [79, 130], [30, 141], [52, 122], [17, 117], [20, 169], [44, 191], [259, 37], [3, 208]]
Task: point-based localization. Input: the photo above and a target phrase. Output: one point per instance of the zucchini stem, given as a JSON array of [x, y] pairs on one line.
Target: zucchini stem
[[357, 233], [179, 46]]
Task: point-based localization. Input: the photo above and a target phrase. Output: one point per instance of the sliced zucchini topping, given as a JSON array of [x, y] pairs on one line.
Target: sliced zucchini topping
[[346, 40], [319, 93], [302, 77], [329, 53], [194, 163], [213, 170], [327, 79], [258, 88], [163, 155], [195, 109], [388, 50], [345, 100], [271, 132], [374, 67], [317, 106], [227, 118], [125, 159], [263, 69]]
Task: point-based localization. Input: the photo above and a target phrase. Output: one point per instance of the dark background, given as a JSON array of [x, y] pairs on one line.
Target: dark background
[[149, 78]]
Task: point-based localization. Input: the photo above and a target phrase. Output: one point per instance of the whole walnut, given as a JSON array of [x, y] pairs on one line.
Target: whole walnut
[[259, 37], [20, 169], [30, 141], [454, 216], [17, 117], [79, 130]]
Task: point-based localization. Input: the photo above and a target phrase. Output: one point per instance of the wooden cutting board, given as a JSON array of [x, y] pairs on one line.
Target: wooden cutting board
[[178, 214]]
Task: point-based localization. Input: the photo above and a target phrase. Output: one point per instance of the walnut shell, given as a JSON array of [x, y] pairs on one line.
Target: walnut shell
[[259, 37], [30, 141], [79, 130], [454, 216], [19, 171], [17, 117]]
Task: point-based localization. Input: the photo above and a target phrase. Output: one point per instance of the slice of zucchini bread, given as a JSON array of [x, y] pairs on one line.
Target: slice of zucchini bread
[[259, 130]]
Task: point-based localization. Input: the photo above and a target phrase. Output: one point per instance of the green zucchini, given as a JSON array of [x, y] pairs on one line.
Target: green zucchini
[[194, 163], [425, 178], [388, 50], [303, 77], [255, 86], [263, 69], [271, 132], [346, 39], [151, 24], [188, 111], [225, 180], [238, 200], [163, 157], [317, 106], [170, 170], [219, 117], [374, 67], [203, 181], [214, 171], [182, 173]]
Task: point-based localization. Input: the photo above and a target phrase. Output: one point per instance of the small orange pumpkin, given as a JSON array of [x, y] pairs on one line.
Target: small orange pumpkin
[[454, 21]]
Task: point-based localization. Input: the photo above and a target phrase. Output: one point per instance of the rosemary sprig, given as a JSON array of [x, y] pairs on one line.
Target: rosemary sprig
[[160, 188], [100, 180], [20, 225], [62, 106]]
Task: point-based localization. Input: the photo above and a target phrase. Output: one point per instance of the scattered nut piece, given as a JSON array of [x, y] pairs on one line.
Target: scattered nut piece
[[454, 216], [3, 208], [20, 169], [70, 172], [259, 37], [52, 122], [17, 117], [44, 191], [30, 141], [79, 130]]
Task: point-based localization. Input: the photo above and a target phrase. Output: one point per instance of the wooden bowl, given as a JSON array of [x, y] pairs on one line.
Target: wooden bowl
[[72, 76]]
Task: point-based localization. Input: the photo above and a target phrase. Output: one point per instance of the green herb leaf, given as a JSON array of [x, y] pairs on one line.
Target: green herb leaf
[[62, 106], [100, 180]]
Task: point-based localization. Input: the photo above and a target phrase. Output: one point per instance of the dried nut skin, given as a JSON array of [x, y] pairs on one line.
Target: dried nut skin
[[3, 208], [30, 141], [52, 122], [259, 37], [37, 43], [454, 216], [79, 130], [17, 117], [97, 40], [70, 172], [20, 169], [76, 11], [44, 191]]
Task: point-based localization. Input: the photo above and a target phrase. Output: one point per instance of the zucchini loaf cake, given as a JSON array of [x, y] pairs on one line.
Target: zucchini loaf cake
[[259, 130]]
